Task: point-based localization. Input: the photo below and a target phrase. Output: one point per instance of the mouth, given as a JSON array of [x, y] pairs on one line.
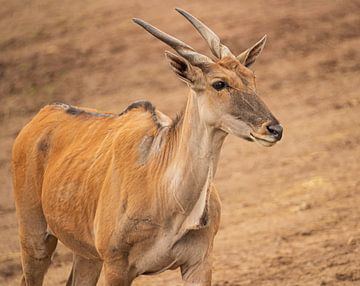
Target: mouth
[[264, 141]]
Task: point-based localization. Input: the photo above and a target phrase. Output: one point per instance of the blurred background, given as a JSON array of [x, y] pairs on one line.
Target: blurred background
[[291, 213]]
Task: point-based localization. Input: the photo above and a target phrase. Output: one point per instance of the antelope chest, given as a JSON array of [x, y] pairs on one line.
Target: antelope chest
[[186, 240], [149, 248], [167, 251]]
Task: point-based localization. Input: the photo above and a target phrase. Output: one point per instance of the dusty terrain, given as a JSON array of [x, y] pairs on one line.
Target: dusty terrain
[[291, 213]]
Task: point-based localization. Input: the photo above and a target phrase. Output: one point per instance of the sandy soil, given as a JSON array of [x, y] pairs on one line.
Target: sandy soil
[[291, 213]]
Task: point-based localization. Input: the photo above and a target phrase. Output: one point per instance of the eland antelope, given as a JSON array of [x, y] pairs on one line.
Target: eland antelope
[[133, 193]]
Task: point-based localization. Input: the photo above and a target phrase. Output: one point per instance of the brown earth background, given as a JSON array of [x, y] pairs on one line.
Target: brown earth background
[[291, 213]]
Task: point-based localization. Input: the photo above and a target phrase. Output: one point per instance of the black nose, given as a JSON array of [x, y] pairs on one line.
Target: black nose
[[275, 130]]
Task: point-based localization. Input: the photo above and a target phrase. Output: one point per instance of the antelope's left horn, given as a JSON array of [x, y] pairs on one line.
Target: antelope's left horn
[[217, 48]]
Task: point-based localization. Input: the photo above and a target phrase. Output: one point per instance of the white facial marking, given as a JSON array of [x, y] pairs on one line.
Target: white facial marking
[[234, 126]]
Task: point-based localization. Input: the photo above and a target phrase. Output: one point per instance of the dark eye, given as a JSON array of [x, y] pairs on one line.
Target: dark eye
[[219, 85]]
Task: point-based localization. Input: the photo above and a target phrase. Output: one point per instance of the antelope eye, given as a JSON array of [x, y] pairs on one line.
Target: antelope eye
[[219, 85]]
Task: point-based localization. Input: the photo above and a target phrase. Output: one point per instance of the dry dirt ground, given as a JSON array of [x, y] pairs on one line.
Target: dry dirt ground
[[291, 213]]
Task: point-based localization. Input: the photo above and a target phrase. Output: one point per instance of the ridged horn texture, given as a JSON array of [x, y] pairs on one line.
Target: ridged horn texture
[[217, 48], [180, 47]]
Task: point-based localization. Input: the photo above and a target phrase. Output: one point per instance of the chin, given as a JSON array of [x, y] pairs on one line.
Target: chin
[[264, 141]]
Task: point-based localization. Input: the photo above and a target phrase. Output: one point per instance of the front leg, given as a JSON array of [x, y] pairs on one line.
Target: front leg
[[117, 274], [198, 274], [84, 272]]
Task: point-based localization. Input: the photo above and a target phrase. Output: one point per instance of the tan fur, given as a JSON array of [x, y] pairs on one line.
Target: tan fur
[[78, 177], [133, 193]]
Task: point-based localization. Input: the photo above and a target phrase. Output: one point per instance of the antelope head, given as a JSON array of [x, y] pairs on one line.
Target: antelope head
[[225, 87]]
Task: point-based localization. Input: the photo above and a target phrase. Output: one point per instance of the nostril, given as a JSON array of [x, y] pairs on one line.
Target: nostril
[[275, 130]]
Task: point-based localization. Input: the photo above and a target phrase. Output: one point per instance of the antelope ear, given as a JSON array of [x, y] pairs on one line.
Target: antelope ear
[[248, 57], [183, 69]]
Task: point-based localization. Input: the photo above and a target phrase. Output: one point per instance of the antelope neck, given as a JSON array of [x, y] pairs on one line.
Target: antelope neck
[[194, 161]]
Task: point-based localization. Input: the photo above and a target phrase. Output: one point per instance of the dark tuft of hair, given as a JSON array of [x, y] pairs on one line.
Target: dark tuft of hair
[[147, 106], [72, 110]]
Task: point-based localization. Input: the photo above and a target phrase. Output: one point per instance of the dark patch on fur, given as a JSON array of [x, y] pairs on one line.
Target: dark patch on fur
[[147, 106], [77, 111], [72, 110], [204, 220], [43, 145]]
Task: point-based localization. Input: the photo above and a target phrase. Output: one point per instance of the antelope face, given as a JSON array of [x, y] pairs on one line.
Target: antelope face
[[225, 88], [229, 102]]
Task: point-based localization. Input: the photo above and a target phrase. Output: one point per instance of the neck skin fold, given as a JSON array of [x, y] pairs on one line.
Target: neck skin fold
[[195, 152]]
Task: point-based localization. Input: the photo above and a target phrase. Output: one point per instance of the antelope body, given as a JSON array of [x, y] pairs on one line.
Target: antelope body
[[133, 192]]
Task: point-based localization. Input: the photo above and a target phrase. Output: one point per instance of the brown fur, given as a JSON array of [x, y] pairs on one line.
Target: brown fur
[[133, 192], [78, 173]]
